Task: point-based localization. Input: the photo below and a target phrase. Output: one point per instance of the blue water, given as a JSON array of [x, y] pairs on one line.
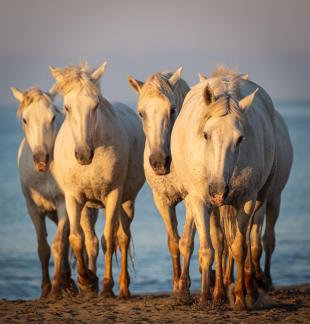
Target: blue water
[[20, 274]]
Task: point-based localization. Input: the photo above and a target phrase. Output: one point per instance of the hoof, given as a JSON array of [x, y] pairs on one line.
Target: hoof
[[261, 280], [184, 298], [88, 283], [219, 296], [239, 306], [107, 288], [70, 288], [124, 293], [107, 293], [46, 289], [269, 286], [204, 298], [56, 291]]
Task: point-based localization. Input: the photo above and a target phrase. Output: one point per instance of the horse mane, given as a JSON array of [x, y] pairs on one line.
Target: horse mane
[[30, 96], [76, 76], [226, 92], [158, 85], [223, 70]]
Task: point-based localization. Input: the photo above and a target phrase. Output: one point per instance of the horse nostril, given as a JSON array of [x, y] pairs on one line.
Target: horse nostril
[[47, 157], [167, 161], [210, 190], [76, 154], [226, 190], [91, 154]]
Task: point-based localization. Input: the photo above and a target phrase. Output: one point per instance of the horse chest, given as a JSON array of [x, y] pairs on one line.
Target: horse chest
[[92, 182], [164, 184]]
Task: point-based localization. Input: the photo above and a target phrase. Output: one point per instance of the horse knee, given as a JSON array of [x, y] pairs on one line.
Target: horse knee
[[123, 240], [173, 245], [92, 244], [76, 241], [185, 246], [57, 247], [206, 257]]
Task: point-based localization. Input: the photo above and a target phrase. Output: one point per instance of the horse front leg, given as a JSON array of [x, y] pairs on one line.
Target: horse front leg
[[241, 250], [218, 245], [112, 213], [87, 280], [124, 236], [186, 245], [168, 215], [44, 251], [256, 246], [206, 252], [88, 221]]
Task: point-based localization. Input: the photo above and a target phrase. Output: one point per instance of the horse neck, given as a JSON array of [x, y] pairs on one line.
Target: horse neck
[[106, 119], [180, 93]]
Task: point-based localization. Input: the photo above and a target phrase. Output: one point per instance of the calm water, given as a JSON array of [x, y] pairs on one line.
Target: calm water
[[19, 264]]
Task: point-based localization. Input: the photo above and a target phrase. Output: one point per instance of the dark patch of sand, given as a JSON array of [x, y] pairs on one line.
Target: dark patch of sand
[[283, 305]]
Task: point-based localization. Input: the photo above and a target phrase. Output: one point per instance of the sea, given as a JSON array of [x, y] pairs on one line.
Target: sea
[[20, 271]]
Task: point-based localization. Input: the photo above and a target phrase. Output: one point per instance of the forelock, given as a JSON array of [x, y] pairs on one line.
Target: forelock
[[30, 96], [77, 77]]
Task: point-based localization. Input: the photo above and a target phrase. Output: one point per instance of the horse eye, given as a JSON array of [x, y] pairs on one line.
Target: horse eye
[[66, 108], [25, 121], [53, 119], [140, 114], [172, 110], [240, 139], [96, 106], [206, 136]]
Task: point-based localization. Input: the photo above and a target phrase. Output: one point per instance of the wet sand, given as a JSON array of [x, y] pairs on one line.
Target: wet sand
[[283, 305]]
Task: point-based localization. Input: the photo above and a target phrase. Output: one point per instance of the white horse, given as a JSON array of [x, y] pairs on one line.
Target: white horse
[[160, 99], [42, 193], [223, 150], [284, 159], [99, 162]]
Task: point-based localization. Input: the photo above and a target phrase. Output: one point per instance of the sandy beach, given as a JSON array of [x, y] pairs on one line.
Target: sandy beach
[[284, 305]]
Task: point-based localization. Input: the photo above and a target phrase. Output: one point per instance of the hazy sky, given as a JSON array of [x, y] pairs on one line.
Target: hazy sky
[[269, 39]]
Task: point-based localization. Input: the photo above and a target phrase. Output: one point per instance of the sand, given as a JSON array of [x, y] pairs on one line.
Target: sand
[[283, 305]]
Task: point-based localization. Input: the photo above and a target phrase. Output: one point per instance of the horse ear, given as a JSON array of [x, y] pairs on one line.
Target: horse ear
[[52, 92], [244, 76], [56, 73], [17, 94], [136, 85], [208, 95], [247, 101], [175, 77], [202, 77], [97, 74]]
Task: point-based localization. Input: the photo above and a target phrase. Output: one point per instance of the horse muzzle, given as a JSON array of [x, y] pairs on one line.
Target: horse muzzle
[[84, 156], [218, 193], [41, 161], [160, 164]]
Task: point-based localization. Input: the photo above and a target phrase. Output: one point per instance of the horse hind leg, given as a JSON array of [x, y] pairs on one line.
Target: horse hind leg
[[123, 238], [269, 239], [44, 250], [256, 246]]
